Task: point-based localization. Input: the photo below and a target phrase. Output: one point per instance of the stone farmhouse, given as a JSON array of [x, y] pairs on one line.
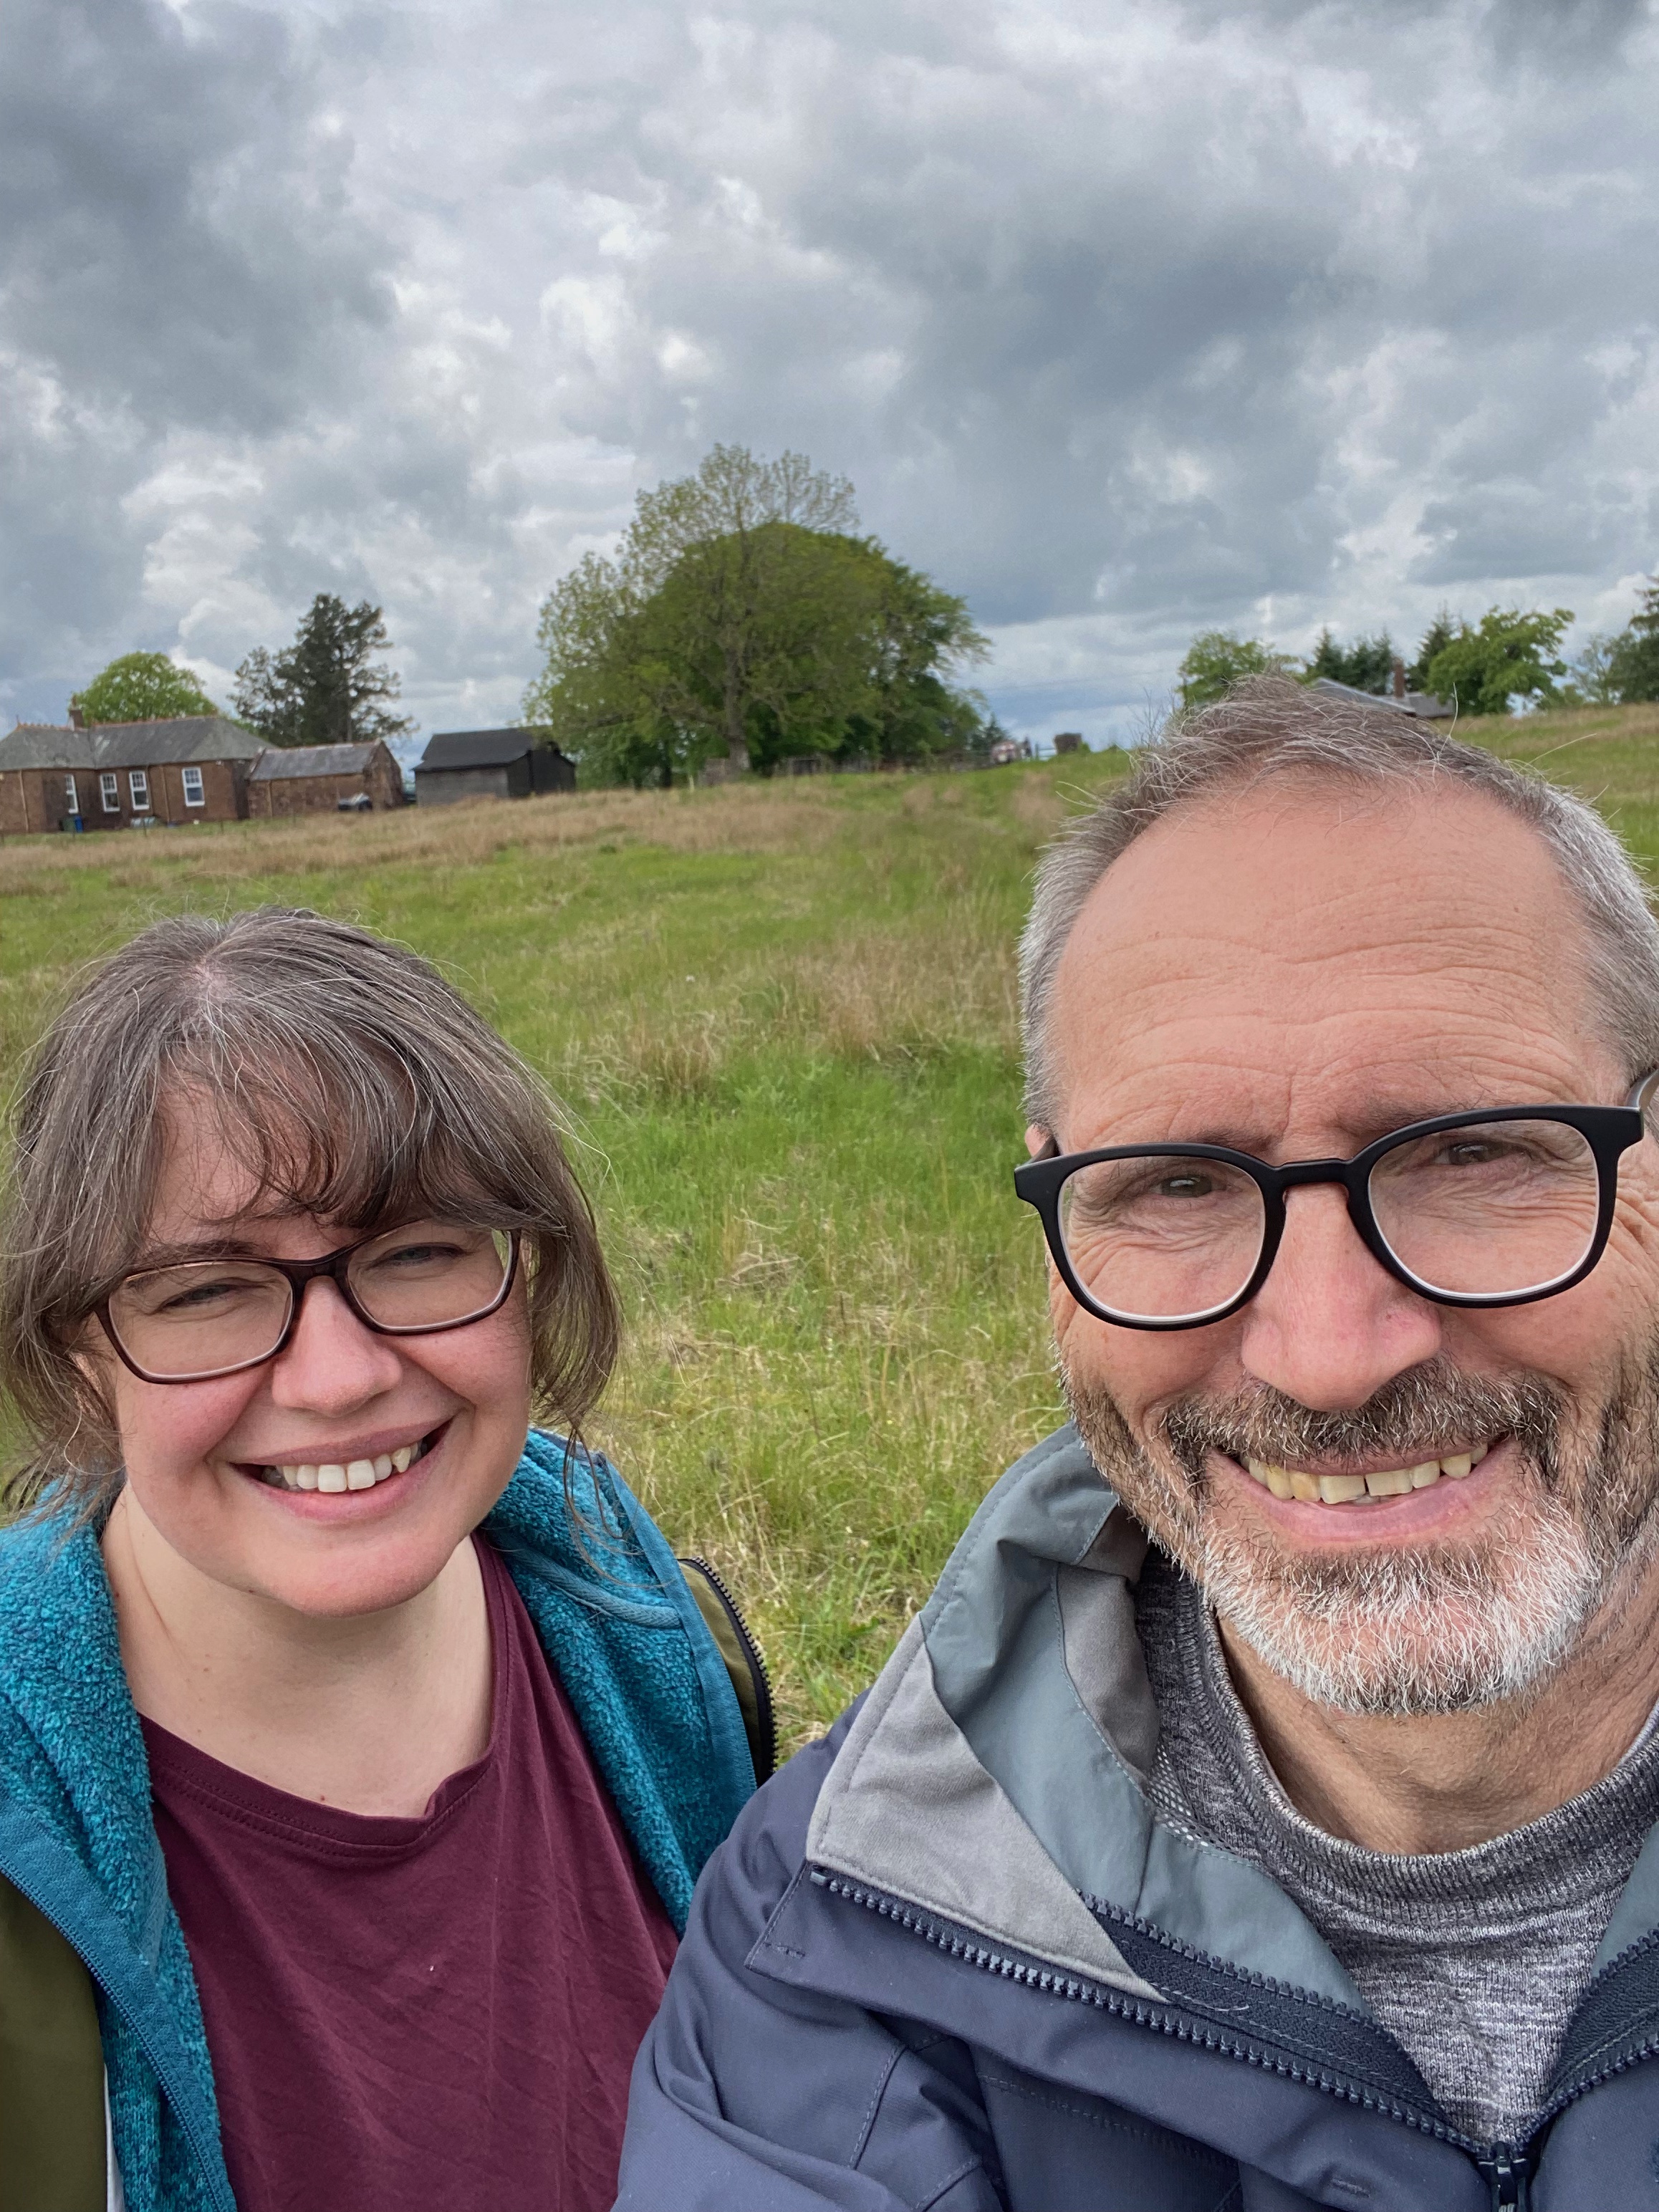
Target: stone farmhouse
[[354, 779], [195, 768]]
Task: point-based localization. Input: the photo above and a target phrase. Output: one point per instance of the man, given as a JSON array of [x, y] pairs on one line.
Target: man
[[1302, 1854]]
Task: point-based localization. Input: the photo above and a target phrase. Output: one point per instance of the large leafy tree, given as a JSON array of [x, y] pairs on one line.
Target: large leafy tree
[[142, 687], [1633, 664], [328, 687], [741, 617], [1508, 655], [1367, 664], [1217, 659]]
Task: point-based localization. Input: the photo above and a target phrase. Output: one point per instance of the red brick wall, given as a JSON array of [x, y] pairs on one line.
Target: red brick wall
[[321, 794], [36, 799], [33, 799]]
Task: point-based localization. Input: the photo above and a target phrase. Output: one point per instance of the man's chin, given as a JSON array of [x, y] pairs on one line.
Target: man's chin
[[1403, 1631], [1439, 1629]]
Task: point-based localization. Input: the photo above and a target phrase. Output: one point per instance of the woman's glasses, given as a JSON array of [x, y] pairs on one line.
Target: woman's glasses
[[1486, 1209], [206, 1317]]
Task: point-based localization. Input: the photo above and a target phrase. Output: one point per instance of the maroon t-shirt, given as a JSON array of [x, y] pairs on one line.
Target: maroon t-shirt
[[440, 2012]]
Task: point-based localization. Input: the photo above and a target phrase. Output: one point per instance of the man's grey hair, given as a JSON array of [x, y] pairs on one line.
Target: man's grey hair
[[1269, 726]]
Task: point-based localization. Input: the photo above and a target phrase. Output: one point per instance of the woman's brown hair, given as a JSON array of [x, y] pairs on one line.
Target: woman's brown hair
[[350, 1079]]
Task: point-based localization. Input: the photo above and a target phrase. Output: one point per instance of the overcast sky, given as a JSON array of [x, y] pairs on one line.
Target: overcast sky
[[1125, 318]]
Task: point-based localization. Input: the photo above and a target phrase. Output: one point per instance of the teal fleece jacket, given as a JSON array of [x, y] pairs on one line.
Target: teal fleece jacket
[[619, 1627]]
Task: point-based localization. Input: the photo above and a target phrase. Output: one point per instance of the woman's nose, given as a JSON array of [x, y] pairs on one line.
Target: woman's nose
[[332, 1361]]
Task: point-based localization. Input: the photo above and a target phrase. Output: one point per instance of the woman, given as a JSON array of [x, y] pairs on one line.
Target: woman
[[359, 1744]]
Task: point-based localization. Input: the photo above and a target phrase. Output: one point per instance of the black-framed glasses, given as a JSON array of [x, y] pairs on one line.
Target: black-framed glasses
[[202, 1318], [1494, 1208]]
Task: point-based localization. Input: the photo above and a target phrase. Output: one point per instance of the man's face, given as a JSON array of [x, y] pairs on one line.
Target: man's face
[[1295, 971]]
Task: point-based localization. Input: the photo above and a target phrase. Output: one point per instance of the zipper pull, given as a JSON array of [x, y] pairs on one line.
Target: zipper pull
[[1509, 2171]]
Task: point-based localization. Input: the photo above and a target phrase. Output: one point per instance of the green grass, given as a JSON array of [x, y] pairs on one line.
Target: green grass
[[783, 1018]]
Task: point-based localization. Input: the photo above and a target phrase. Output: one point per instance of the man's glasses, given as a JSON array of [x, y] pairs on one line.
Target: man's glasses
[[208, 1317], [1489, 1209]]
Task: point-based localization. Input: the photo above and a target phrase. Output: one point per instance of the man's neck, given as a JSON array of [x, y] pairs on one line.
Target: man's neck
[[1445, 1781], [368, 1714]]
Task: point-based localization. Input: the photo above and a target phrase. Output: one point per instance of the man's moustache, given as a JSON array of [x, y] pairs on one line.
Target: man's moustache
[[1415, 1415]]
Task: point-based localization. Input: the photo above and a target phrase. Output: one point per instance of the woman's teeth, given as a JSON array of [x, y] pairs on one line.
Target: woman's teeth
[[1361, 1489], [352, 1474]]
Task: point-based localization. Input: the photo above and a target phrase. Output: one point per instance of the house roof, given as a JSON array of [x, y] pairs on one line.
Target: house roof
[[127, 744], [277, 763], [46, 744], [1422, 706], [480, 748]]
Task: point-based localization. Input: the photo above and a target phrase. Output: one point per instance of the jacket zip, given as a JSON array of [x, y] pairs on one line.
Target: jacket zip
[[1507, 2167], [755, 1660], [1509, 2171]]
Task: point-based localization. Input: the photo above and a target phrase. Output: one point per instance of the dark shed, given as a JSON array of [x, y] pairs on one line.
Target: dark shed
[[489, 764]]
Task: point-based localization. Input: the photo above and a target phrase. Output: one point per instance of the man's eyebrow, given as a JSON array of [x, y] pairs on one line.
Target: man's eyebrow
[[1364, 1129]]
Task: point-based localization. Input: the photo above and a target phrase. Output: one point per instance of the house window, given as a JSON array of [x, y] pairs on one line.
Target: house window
[[109, 790], [138, 784], [72, 796], [193, 792]]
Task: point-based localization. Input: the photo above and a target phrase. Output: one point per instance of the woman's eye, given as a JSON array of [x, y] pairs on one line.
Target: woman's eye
[[417, 1255], [203, 1294]]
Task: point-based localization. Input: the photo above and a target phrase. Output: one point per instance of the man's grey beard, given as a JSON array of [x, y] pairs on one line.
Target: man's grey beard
[[1385, 1631]]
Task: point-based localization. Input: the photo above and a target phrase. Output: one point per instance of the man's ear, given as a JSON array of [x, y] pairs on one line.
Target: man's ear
[[1037, 1139]]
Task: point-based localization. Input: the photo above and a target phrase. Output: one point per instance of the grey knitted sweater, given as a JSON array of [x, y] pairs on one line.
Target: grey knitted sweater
[[1474, 1960]]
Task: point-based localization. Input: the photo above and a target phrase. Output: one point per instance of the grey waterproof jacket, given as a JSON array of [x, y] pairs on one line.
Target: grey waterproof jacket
[[952, 1958]]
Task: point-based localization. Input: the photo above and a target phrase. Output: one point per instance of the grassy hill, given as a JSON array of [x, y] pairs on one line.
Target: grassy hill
[[783, 1018]]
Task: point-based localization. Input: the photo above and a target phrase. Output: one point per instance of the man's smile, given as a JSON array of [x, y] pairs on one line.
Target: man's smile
[[1366, 1485]]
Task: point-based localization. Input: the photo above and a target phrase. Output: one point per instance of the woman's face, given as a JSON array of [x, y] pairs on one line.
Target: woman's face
[[197, 1453]]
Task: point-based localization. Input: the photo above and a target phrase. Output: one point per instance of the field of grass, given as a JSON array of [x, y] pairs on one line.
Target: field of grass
[[783, 1018]]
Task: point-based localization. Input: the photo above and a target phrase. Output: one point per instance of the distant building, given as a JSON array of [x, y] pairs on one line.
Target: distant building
[[1068, 741], [489, 764], [1422, 706], [194, 768], [324, 780]]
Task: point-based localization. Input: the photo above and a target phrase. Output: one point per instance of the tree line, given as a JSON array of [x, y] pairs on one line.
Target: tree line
[[744, 616], [1481, 667], [330, 687]]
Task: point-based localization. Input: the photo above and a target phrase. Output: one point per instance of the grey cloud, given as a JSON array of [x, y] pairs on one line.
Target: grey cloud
[[175, 235], [1124, 318]]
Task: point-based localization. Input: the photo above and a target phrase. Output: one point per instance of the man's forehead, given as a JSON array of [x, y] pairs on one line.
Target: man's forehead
[[1300, 926]]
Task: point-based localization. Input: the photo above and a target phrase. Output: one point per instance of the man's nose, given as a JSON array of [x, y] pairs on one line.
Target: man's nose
[[333, 1363], [1330, 1326]]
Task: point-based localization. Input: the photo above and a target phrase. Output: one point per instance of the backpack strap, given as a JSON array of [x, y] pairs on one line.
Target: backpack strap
[[51, 2068]]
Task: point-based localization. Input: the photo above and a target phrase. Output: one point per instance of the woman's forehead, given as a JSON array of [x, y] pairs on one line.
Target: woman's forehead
[[214, 1166]]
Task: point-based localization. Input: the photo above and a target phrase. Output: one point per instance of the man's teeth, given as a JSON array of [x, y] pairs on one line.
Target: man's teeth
[[353, 1474], [1290, 1482]]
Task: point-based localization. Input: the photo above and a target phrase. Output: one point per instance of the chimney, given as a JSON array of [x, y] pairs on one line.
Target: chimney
[[1399, 679], [75, 721]]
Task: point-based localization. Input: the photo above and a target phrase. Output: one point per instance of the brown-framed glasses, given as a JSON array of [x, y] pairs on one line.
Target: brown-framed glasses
[[201, 1318]]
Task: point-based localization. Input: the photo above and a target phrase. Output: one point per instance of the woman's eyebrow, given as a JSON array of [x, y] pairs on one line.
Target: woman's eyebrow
[[207, 1248]]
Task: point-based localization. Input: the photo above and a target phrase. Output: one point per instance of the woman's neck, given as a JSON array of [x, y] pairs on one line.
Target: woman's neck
[[370, 1714]]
